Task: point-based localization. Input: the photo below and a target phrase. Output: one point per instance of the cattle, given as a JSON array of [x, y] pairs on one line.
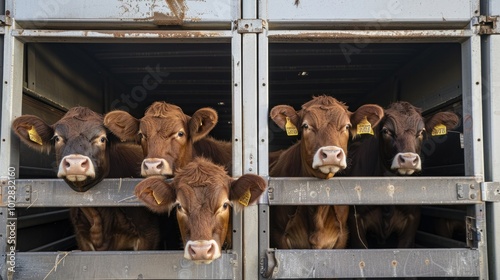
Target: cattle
[[395, 150], [86, 153], [170, 139], [325, 127], [202, 194]]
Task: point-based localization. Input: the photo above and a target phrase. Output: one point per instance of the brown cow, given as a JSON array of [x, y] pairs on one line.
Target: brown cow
[[86, 154], [325, 125], [395, 150], [203, 195], [170, 139]]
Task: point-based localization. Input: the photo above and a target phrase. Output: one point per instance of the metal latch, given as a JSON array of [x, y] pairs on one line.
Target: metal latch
[[487, 25], [490, 191], [250, 25], [269, 264], [473, 234]]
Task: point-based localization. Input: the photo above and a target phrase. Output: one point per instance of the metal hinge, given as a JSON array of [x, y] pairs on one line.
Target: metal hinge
[[269, 265], [250, 25], [487, 25], [490, 191]]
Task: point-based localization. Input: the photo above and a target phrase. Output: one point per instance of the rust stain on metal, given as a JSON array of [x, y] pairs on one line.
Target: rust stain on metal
[[177, 9]]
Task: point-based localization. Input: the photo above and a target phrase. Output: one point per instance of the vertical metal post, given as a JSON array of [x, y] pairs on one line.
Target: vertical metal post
[[473, 135], [263, 117], [237, 139], [491, 102], [12, 92], [250, 155]]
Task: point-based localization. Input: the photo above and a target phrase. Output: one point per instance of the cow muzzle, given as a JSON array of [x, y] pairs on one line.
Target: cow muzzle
[[76, 168], [155, 166], [406, 163], [202, 251], [329, 159]]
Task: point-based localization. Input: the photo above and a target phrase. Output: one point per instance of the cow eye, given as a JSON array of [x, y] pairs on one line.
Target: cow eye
[[225, 206], [348, 126], [386, 131], [179, 207], [103, 139], [56, 138], [180, 133], [305, 126], [421, 133]]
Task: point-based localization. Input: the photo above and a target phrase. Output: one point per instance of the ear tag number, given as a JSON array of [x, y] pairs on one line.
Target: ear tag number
[[364, 127], [291, 129], [438, 130], [33, 135], [245, 198]]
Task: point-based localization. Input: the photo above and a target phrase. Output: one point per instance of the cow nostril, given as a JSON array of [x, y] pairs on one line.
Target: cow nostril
[[160, 165], [66, 163], [85, 163]]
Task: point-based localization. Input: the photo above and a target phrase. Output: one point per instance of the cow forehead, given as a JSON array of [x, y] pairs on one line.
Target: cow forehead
[[76, 126], [322, 115], [168, 124], [202, 183], [404, 121]]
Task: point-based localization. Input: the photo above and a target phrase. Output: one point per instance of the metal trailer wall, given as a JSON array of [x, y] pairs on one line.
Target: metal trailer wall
[[235, 23]]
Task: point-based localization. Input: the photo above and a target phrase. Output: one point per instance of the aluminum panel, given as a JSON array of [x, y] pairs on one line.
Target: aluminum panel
[[383, 263], [119, 14], [371, 15], [374, 190], [120, 265]]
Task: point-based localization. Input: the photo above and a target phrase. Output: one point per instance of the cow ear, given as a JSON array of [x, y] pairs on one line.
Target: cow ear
[[33, 132], [448, 119], [157, 194], [122, 124], [202, 122], [280, 113], [247, 189], [373, 113]]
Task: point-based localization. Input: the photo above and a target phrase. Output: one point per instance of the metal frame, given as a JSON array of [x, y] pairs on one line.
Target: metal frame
[[250, 140], [347, 263]]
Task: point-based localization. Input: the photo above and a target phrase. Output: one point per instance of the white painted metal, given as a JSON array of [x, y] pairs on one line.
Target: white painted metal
[[371, 15], [122, 14]]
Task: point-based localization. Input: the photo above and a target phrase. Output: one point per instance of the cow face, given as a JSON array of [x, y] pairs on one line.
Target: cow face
[[325, 125], [80, 143], [203, 195], [402, 132], [165, 133]]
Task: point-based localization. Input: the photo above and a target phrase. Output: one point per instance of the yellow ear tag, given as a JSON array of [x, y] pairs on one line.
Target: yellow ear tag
[[157, 199], [291, 129], [439, 129], [33, 135], [245, 198], [364, 127]]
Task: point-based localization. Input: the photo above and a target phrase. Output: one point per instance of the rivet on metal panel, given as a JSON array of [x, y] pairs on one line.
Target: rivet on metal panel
[[270, 193], [250, 25]]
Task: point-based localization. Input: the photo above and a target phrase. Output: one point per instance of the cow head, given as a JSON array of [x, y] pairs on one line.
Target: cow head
[[325, 125], [402, 132], [80, 143], [165, 133], [203, 195]]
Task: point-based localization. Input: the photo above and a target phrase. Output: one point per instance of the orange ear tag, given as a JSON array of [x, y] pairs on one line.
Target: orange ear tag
[[438, 130], [364, 127], [291, 129], [33, 135], [157, 199], [245, 198]]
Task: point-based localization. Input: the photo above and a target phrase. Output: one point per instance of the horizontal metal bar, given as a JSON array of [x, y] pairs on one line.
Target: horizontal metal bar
[[370, 36], [373, 190], [383, 263], [28, 35], [120, 265], [56, 193]]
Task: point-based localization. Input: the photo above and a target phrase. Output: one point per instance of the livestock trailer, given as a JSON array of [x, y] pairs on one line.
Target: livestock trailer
[[242, 58]]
